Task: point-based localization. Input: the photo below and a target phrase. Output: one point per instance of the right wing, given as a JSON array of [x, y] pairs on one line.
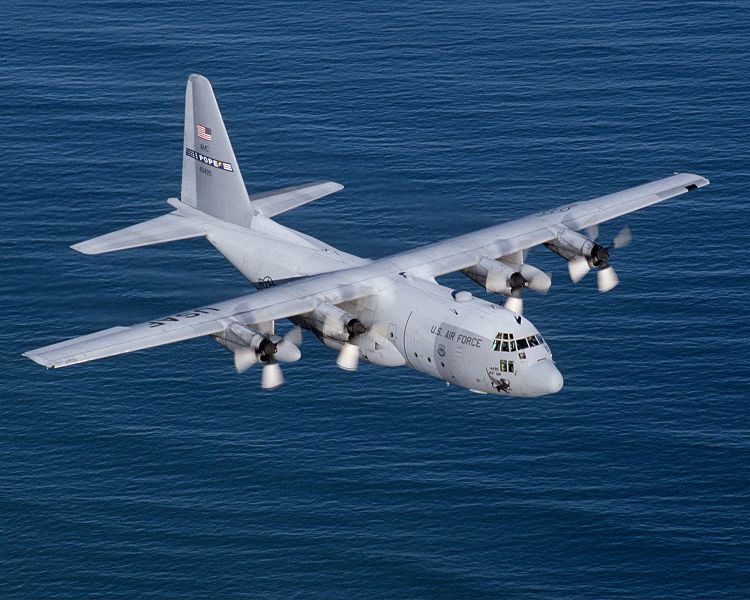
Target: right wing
[[289, 300]]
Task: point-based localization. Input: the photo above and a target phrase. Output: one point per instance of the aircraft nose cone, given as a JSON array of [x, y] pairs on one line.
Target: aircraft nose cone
[[542, 378]]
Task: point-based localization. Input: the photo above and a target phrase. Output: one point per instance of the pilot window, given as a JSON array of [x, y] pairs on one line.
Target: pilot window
[[504, 342]]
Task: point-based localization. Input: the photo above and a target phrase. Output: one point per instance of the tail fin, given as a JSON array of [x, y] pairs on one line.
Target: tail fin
[[211, 178]]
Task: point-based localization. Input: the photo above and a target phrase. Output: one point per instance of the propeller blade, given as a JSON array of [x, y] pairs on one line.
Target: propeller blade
[[606, 279], [244, 358], [272, 377], [541, 282], [515, 303], [348, 358], [593, 232], [294, 336], [623, 238], [287, 352], [578, 266]]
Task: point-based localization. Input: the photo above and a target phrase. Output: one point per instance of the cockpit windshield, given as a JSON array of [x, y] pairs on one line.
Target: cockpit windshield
[[506, 342]]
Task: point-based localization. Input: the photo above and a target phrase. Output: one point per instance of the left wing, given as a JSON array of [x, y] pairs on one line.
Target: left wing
[[508, 238], [289, 300]]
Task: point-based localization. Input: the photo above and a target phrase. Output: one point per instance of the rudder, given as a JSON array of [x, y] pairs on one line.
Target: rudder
[[211, 178]]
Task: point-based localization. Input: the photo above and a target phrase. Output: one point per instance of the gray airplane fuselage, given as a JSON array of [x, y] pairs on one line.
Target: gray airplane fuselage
[[452, 336], [388, 311]]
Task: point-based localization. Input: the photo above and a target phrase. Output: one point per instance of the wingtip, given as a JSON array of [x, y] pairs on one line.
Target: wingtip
[[38, 359], [82, 248]]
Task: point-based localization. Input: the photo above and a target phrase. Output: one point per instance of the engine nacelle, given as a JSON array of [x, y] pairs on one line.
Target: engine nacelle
[[374, 348], [333, 322], [249, 346], [570, 244], [502, 278]]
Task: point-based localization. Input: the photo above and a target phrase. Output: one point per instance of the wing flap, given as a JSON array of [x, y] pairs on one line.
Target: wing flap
[[167, 228]]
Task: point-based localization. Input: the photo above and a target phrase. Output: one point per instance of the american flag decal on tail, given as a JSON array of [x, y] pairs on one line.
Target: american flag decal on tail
[[204, 132]]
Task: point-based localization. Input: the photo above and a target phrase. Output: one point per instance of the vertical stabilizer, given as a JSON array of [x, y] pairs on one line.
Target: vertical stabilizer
[[211, 178]]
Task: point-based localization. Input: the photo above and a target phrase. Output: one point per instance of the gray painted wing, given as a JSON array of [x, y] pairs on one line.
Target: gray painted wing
[[266, 305], [505, 239], [276, 202]]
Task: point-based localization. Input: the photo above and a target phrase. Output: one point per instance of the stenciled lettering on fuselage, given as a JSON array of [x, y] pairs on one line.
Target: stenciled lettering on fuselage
[[211, 162], [454, 336]]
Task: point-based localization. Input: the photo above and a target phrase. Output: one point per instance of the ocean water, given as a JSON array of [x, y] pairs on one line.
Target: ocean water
[[165, 474]]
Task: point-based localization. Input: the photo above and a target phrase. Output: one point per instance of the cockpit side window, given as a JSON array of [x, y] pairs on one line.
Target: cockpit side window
[[522, 344], [532, 341]]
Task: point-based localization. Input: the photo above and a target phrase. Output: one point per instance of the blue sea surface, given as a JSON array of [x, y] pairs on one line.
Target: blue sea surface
[[164, 474]]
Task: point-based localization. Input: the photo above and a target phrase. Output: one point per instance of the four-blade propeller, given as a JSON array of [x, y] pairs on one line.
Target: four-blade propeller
[[271, 351], [606, 278]]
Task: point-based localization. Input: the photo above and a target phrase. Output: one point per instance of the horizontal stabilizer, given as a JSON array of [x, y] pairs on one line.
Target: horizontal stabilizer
[[274, 203], [167, 228]]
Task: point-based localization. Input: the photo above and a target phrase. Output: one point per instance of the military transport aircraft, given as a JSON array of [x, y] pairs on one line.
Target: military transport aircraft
[[389, 311]]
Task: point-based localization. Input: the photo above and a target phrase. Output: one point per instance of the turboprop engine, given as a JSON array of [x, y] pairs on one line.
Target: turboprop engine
[[250, 347], [583, 253], [340, 330], [509, 279]]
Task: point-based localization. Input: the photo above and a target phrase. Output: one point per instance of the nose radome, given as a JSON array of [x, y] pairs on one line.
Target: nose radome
[[542, 378]]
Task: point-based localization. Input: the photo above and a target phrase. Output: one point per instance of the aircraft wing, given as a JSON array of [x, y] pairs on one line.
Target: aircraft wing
[[508, 238], [292, 299]]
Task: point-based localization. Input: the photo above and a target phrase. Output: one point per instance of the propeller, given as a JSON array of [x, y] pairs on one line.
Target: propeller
[[348, 358], [285, 349], [534, 279], [270, 351], [606, 278], [515, 301]]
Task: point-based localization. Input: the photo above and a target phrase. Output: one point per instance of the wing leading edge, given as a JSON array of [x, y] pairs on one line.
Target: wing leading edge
[[508, 238], [258, 307]]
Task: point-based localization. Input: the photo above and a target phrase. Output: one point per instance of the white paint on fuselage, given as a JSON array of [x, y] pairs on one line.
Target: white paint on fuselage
[[436, 334]]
